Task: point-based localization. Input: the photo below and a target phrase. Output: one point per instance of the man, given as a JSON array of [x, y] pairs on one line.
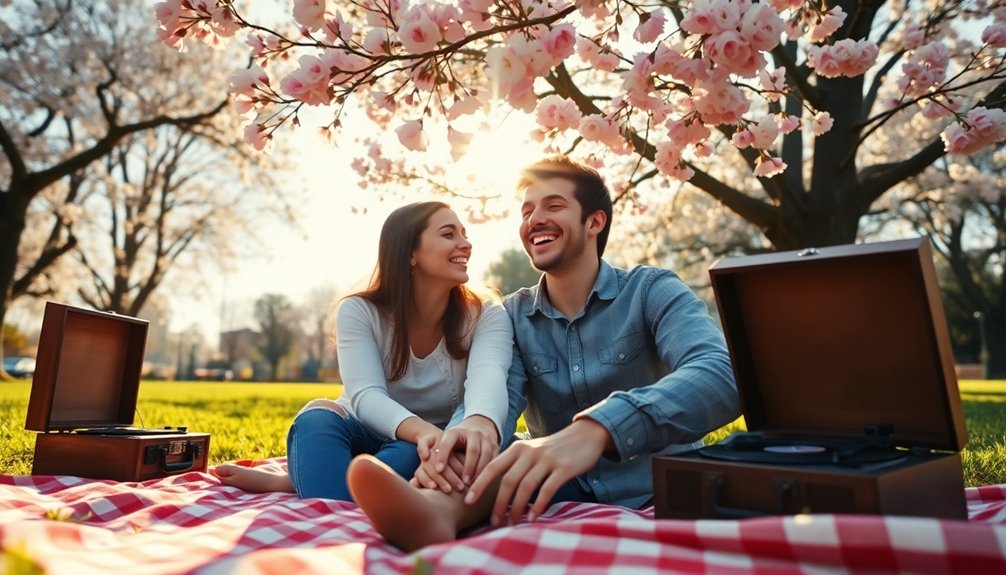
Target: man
[[612, 366]]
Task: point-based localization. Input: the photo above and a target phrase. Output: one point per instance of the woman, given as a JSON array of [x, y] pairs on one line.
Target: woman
[[412, 347]]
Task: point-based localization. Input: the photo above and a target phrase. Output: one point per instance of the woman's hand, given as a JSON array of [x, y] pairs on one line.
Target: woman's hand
[[452, 459], [427, 475], [477, 438]]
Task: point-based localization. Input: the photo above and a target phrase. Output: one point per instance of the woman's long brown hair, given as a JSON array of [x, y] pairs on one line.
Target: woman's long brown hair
[[391, 285]]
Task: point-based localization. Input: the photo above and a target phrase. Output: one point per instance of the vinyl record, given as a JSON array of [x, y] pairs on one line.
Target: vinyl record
[[794, 449]]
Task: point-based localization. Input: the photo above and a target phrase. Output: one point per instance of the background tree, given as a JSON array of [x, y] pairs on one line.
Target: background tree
[[511, 271], [962, 208], [276, 319], [79, 78], [166, 199], [318, 327]]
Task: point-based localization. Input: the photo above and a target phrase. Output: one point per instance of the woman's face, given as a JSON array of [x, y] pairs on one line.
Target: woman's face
[[443, 250]]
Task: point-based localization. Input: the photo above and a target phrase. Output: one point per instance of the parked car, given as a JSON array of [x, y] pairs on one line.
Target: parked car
[[20, 367]]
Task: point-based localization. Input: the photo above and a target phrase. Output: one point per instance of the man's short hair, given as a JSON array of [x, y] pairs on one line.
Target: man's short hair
[[589, 188]]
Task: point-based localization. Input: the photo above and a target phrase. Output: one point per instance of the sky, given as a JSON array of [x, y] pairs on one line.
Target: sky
[[335, 247]]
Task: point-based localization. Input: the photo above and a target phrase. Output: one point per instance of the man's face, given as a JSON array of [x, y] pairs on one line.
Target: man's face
[[551, 228]]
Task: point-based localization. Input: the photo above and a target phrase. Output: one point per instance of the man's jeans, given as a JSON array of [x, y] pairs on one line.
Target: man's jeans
[[321, 444]]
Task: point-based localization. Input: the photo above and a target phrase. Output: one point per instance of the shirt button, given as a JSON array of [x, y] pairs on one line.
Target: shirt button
[[621, 356], [576, 368], [630, 441], [535, 368], [572, 328], [594, 481]]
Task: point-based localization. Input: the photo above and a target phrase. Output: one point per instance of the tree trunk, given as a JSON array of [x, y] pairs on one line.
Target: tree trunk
[[995, 347]]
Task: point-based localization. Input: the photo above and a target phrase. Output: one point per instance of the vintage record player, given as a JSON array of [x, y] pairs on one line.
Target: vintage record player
[[846, 378], [83, 397]]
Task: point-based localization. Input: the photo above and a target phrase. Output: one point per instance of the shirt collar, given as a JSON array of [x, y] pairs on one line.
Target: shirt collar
[[605, 288]]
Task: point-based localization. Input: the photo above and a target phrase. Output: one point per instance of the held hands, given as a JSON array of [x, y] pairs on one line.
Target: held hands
[[452, 458], [545, 464]]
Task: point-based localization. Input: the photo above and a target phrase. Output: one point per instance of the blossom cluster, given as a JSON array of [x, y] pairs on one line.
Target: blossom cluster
[[405, 59]]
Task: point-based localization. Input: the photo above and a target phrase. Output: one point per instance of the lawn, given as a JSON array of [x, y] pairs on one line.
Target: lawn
[[249, 420]]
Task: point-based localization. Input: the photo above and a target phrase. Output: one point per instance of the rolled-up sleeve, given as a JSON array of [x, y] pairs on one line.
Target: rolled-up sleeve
[[697, 396]]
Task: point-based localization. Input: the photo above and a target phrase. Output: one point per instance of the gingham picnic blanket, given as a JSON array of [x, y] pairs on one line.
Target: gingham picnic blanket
[[192, 524]]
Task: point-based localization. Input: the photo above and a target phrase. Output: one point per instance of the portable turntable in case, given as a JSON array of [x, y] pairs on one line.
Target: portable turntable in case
[[83, 397], [846, 379]]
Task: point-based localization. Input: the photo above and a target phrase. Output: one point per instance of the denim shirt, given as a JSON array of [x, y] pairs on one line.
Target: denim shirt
[[643, 358]]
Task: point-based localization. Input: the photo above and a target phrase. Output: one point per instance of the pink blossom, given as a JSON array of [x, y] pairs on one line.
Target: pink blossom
[[667, 156], [168, 14], [597, 128], [411, 135], [990, 125], [827, 26], [822, 123], [419, 33], [761, 27], [459, 142], [773, 83], [728, 49], [255, 135], [701, 18], [959, 140], [522, 96], [995, 34], [338, 29], [912, 37], [719, 102], [651, 25], [766, 168], [764, 133], [309, 13], [742, 139], [468, 104], [504, 68], [558, 113], [376, 41], [560, 41], [788, 124], [244, 82]]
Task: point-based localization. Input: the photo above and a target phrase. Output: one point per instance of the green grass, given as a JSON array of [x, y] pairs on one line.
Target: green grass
[[249, 421]]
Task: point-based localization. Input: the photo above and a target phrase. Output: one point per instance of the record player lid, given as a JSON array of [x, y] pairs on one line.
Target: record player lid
[[829, 341], [87, 371]]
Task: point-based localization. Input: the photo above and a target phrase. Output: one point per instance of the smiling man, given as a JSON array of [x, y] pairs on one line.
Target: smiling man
[[610, 367]]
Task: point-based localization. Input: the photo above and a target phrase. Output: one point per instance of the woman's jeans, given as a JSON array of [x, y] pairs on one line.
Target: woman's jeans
[[321, 444]]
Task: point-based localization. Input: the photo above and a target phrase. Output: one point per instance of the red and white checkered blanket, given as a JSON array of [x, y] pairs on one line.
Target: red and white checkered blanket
[[192, 524]]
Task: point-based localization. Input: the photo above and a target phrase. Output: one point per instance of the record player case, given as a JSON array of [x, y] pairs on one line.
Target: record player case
[[83, 397], [835, 345]]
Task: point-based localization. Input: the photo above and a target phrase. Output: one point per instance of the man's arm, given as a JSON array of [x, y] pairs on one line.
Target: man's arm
[[696, 397]]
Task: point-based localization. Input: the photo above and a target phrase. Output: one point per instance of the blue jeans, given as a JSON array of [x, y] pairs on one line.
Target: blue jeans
[[321, 444]]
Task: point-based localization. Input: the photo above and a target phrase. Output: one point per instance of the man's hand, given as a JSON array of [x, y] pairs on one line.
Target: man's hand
[[441, 454], [545, 464]]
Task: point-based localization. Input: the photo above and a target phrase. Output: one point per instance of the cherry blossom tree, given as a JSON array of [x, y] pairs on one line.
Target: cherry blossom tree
[[769, 108]]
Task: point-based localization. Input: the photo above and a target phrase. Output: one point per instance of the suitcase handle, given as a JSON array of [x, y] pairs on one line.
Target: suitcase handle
[[783, 489], [191, 452]]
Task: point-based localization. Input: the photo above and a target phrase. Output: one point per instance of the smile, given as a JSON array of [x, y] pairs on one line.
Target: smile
[[542, 238], [459, 260]]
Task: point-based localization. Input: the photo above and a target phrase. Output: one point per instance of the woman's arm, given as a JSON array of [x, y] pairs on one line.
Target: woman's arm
[[361, 365]]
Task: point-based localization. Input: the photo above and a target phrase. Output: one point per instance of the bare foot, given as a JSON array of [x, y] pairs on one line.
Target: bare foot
[[266, 478], [409, 518]]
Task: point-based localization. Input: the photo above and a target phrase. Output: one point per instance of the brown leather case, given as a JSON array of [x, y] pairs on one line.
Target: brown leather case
[[832, 344], [87, 376]]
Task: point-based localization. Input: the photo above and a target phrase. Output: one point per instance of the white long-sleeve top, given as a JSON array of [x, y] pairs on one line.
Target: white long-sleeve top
[[433, 386]]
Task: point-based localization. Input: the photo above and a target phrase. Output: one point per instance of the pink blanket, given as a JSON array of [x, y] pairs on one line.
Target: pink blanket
[[192, 524]]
